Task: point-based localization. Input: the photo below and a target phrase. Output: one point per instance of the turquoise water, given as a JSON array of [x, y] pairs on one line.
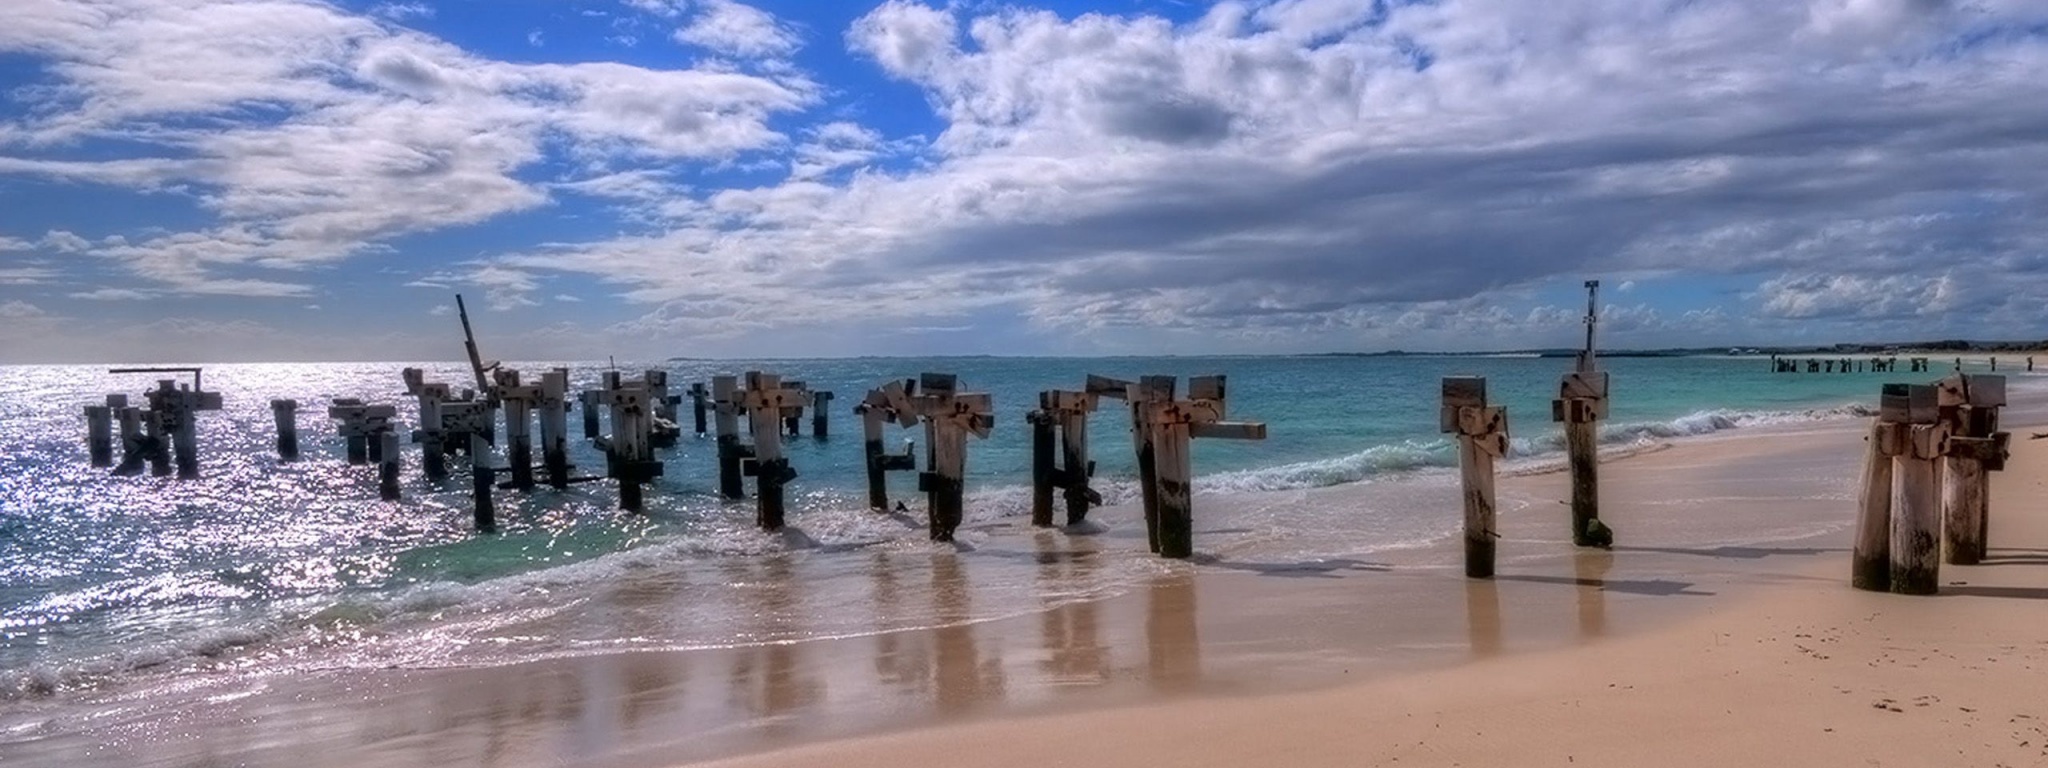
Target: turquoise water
[[258, 565]]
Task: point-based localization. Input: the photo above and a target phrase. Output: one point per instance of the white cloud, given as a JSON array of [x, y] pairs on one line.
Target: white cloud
[[379, 131], [114, 294], [1813, 296], [536, 38], [403, 11], [14, 310], [64, 242], [736, 29]]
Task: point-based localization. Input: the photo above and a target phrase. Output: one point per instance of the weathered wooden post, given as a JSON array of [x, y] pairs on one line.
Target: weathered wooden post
[[949, 417], [1969, 407], [518, 400], [697, 397], [793, 415], [887, 403], [361, 424], [287, 415], [1916, 495], [554, 426], [1482, 432], [1871, 561], [388, 467], [1064, 417], [134, 445], [630, 446], [470, 420], [1140, 395], [432, 434], [588, 400], [178, 413], [765, 398], [1173, 423], [727, 399], [661, 409], [99, 434], [155, 440], [821, 426], [1044, 459], [1581, 406]]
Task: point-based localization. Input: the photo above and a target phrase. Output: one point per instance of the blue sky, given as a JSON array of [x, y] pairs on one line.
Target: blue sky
[[290, 179]]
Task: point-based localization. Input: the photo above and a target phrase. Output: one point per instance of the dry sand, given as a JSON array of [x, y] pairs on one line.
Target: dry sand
[[1802, 671]]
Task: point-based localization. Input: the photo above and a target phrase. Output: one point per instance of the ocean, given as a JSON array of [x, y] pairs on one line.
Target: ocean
[[116, 584]]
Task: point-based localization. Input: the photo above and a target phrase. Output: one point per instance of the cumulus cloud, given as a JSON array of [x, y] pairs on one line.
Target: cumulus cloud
[[1330, 169], [374, 131], [737, 29]]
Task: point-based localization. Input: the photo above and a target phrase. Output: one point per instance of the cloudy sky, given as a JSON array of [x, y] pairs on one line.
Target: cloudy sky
[[291, 179]]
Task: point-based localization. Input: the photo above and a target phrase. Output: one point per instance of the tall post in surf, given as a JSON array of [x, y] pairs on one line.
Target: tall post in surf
[[1581, 406], [99, 432], [1482, 432], [887, 403], [1969, 405], [1140, 395], [698, 394], [554, 426], [286, 413], [726, 400], [1060, 449], [1173, 423], [630, 447], [432, 435], [764, 400], [519, 401], [949, 415], [821, 420]]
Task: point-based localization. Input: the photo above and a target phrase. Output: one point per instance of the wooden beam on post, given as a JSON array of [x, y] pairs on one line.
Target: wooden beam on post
[[518, 400], [554, 426], [1969, 406], [887, 403], [1172, 423], [727, 398], [949, 415], [765, 399], [1482, 434]]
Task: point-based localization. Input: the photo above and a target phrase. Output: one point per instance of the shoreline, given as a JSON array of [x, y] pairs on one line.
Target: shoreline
[[1195, 631], [1800, 670]]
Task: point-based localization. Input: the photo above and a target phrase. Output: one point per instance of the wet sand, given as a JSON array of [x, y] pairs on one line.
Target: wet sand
[[1235, 637], [1799, 669]]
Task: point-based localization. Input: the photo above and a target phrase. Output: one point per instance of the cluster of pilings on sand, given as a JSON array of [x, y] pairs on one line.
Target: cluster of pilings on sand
[[1925, 495]]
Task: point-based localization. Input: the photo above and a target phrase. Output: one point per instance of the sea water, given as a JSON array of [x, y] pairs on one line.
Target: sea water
[[261, 566]]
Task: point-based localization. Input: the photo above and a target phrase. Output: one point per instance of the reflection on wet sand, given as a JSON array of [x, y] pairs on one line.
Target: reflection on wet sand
[[1069, 628], [1482, 616], [769, 680], [1171, 637], [1591, 569], [964, 678]]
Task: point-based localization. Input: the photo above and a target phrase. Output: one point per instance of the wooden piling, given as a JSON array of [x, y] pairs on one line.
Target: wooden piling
[[1075, 469], [821, 426], [554, 426], [99, 435], [949, 416], [1176, 515], [133, 454], [287, 414], [432, 434], [518, 401], [1916, 513], [1148, 390], [481, 481], [697, 396], [1043, 458], [725, 393], [1482, 435], [154, 442], [387, 470], [588, 399], [632, 412], [884, 404], [1870, 564], [765, 399], [1969, 406]]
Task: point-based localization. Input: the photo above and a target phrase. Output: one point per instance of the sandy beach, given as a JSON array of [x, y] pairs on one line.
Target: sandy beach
[[1802, 670]]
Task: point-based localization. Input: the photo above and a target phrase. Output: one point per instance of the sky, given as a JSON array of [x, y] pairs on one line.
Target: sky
[[251, 180]]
